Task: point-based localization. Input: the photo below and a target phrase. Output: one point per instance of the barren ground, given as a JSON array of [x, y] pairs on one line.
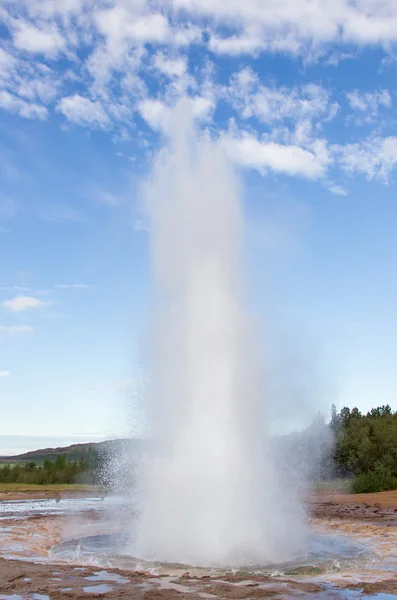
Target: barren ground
[[364, 516]]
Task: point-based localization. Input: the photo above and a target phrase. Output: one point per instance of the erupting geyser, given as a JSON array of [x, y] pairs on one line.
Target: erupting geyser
[[210, 495]]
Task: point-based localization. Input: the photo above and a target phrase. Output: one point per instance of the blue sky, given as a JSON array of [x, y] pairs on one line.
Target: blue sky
[[302, 97]]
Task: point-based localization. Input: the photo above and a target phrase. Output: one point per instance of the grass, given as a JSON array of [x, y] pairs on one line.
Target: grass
[[55, 487], [334, 485]]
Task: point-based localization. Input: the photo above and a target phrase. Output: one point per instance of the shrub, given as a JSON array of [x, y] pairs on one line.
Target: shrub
[[373, 482]]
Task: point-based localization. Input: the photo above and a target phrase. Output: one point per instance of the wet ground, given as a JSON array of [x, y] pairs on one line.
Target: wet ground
[[49, 550]]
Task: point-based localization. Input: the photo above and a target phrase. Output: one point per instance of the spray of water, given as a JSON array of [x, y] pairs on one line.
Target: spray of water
[[210, 493]]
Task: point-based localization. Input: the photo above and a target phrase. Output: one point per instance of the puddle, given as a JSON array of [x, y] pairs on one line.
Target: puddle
[[98, 589], [339, 553], [348, 595], [28, 597], [20, 509], [106, 576]]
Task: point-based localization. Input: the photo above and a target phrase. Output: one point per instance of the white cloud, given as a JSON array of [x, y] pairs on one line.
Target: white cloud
[[153, 111], [116, 48], [172, 67], [271, 104], [248, 151], [29, 110], [292, 26], [338, 190], [4, 374], [368, 104], [236, 44], [23, 303], [83, 111], [375, 158], [32, 39], [202, 107], [52, 8], [7, 65], [44, 89], [118, 24], [15, 330], [295, 25]]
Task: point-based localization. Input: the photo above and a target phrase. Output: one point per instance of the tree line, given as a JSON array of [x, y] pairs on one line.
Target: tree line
[[349, 445], [62, 471], [366, 447]]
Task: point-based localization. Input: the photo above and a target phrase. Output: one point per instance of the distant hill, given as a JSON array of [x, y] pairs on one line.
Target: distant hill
[[73, 452]]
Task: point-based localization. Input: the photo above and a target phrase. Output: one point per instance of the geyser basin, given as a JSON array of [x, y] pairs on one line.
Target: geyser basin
[[324, 553]]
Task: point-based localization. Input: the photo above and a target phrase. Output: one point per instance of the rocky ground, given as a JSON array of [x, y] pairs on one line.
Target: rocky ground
[[366, 519], [356, 509]]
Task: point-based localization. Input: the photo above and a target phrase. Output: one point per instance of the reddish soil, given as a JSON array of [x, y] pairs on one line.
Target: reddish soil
[[383, 499]]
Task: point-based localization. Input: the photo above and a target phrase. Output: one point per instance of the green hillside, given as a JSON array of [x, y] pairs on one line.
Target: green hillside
[[71, 453]]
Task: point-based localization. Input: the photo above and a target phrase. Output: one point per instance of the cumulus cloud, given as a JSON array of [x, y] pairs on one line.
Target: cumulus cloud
[[46, 41], [294, 25], [249, 151], [171, 67], [83, 111], [129, 61], [22, 304], [153, 111]]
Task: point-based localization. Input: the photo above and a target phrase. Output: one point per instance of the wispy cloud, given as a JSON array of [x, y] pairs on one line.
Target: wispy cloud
[[4, 374], [338, 190], [366, 106], [15, 330], [58, 213], [375, 157], [73, 286], [23, 303]]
